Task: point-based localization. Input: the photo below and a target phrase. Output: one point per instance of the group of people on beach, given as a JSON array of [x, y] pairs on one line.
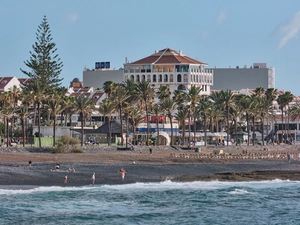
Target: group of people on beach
[[122, 171]]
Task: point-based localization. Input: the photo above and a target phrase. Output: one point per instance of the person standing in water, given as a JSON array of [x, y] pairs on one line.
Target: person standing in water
[[122, 171], [93, 179], [66, 179]]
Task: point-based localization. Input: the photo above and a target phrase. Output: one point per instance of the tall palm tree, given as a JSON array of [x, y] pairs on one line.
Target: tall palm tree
[[181, 116], [156, 112], [226, 100], [55, 106], [193, 97], [120, 95], [283, 100], [135, 118], [23, 112], [146, 93], [168, 105], [37, 91], [204, 108], [245, 103], [107, 108], [83, 105]]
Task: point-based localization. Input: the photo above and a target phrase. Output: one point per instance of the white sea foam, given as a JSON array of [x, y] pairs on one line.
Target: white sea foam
[[239, 192], [165, 185], [197, 185], [11, 190]]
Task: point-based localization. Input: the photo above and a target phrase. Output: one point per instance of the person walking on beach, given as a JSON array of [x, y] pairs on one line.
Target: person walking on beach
[[93, 179], [122, 171], [66, 179], [29, 163], [289, 158]]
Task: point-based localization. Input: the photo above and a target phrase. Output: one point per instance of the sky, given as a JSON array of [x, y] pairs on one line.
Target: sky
[[217, 32]]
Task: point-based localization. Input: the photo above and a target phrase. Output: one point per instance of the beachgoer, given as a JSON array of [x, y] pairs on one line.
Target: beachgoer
[[93, 179], [29, 163], [122, 171], [150, 150], [66, 179], [57, 167], [289, 158]]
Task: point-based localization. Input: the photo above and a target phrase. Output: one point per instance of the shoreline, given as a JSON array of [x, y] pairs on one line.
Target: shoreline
[[141, 166]]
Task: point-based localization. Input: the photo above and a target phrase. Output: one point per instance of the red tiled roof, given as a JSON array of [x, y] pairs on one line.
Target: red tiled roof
[[4, 81], [167, 56], [96, 96]]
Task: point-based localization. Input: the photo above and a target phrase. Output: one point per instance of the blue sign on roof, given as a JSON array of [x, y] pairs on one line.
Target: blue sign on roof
[[102, 65]]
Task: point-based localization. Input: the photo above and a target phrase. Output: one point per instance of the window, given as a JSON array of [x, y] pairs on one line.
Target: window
[[154, 78], [165, 78], [178, 78]]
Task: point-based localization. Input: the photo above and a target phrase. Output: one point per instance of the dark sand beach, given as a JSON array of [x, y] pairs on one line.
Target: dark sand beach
[[165, 163]]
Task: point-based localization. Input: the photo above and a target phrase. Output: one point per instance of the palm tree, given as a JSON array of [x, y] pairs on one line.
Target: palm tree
[[108, 87], [204, 108], [193, 97], [55, 106], [226, 100], [181, 116], [245, 103], [135, 118], [83, 105], [37, 92], [163, 92], [107, 108], [120, 95], [168, 105], [179, 96], [283, 100], [146, 93], [23, 112], [156, 112]]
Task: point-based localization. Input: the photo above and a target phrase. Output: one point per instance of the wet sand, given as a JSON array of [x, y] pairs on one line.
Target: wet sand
[[141, 166]]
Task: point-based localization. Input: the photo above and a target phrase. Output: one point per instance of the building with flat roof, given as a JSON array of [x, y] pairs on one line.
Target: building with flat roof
[[97, 77], [258, 75]]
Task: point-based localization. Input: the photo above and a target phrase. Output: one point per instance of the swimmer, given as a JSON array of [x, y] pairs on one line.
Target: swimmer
[[122, 171]]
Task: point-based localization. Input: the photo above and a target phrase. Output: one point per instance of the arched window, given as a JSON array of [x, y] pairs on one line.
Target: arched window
[[149, 78], [143, 77], [138, 78], [178, 78], [165, 78], [171, 77], [185, 78], [160, 78], [154, 78], [192, 78], [131, 77], [197, 78]]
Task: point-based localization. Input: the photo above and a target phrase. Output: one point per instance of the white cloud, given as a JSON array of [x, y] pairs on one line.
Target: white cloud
[[288, 30], [221, 17], [72, 17]]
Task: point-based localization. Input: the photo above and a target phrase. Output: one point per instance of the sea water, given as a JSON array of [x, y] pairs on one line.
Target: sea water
[[261, 202]]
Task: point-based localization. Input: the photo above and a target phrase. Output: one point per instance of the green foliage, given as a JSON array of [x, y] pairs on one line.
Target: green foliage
[[66, 141], [60, 148], [44, 64]]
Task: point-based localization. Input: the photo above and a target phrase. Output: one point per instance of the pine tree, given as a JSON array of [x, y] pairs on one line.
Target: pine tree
[[44, 63]]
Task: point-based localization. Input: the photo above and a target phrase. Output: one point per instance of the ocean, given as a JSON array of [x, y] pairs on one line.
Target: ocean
[[261, 202]]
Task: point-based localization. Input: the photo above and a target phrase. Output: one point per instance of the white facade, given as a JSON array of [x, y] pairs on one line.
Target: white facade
[[170, 68]]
